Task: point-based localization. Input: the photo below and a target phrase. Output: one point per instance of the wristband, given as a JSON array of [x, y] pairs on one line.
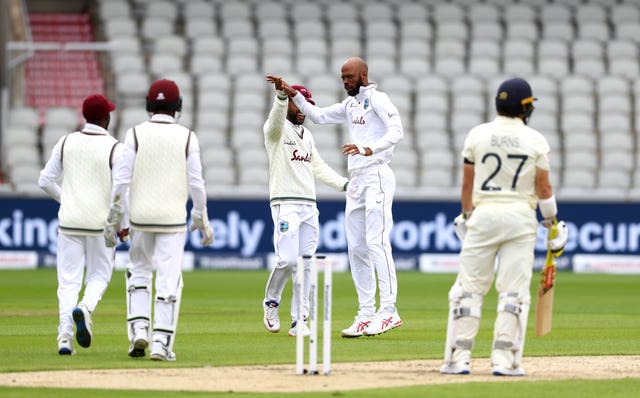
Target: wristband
[[548, 207], [361, 150]]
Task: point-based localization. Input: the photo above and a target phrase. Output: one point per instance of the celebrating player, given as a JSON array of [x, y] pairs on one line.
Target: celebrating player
[[86, 157], [374, 129], [505, 176], [294, 163], [161, 167]]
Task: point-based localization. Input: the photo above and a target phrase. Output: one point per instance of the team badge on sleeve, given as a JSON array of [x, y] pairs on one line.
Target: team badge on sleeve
[[284, 226]]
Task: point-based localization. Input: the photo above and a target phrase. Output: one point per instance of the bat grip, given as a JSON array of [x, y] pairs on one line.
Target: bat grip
[[549, 276]]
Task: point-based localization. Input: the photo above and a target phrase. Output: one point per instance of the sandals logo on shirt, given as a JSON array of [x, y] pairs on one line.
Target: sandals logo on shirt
[[284, 226], [300, 158]]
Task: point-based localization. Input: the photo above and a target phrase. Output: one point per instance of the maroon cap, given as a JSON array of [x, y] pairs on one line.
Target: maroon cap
[[163, 91], [96, 107], [305, 93]]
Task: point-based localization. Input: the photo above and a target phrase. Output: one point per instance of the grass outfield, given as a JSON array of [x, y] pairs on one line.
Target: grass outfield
[[221, 324]]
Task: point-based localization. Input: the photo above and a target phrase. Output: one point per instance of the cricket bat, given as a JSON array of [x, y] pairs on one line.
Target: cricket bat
[[544, 306]]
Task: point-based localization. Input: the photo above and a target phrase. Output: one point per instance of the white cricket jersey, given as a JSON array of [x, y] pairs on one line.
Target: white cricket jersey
[[506, 154], [84, 161], [294, 161], [372, 119], [160, 163]]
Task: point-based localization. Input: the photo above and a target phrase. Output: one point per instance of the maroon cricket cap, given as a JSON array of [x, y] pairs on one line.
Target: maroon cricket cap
[[305, 93], [96, 107], [163, 91]]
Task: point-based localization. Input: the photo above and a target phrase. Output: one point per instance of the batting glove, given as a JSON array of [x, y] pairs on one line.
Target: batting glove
[[110, 230], [460, 226], [557, 237], [200, 221]]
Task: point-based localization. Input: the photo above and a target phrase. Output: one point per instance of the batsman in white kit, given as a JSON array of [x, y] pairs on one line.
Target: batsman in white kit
[[505, 177], [83, 160], [294, 164], [374, 129], [161, 167]]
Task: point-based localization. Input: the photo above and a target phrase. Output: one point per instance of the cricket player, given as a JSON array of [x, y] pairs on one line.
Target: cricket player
[[374, 129], [160, 168], [294, 164], [83, 160], [505, 177]]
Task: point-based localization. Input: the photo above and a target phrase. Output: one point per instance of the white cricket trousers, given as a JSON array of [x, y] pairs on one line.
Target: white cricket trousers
[[368, 223], [295, 233], [164, 251], [74, 252], [507, 231]]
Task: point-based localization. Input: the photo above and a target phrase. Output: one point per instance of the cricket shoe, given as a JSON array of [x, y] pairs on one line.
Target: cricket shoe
[[505, 371], [65, 345], [160, 352], [384, 321], [271, 319], [306, 332], [82, 318], [140, 343], [456, 368], [357, 328]]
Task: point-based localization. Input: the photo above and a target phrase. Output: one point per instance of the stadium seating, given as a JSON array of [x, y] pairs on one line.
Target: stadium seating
[[439, 61]]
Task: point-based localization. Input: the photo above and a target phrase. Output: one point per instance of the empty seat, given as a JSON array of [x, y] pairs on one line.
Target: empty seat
[[414, 67], [416, 30], [432, 84], [197, 9], [519, 12], [234, 10], [581, 140], [208, 45], [552, 67], [577, 86], [452, 29], [162, 64], [590, 67], [612, 85], [586, 48], [443, 12], [575, 103], [273, 28], [558, 30], [624, 13], [624, 67], [380, 47], [380, 29], [484, 67], [408, 12], [598, 31], [155, 27], [170, 44], [577, 122], [518, 49], [265, 10], [484, 48], [613, 179], [521, 30], [234, 28], [578, 178], [341, 11]]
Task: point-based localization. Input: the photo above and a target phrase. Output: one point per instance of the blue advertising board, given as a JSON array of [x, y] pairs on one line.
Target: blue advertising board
[[243, 228]]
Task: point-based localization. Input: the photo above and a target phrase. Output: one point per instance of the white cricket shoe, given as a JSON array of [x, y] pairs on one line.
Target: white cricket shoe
[[384, 321], [160, 352], [82, 318], [357, 328], [271, 319], [65, 345], [306, 332], [140, 342], [505, 371], [456, 368]]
